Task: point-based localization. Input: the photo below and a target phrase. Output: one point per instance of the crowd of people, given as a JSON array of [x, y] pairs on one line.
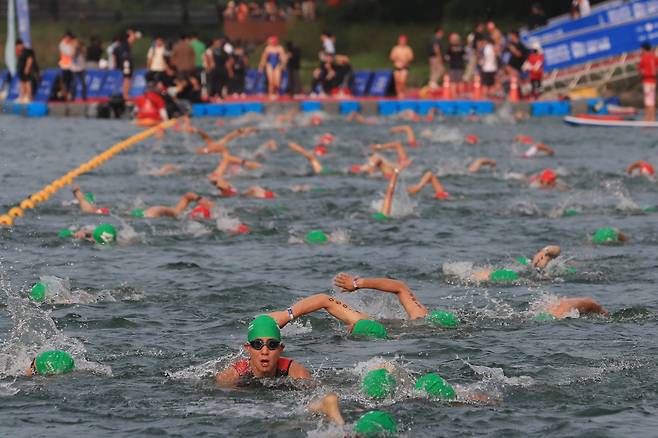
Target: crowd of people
[[242, 11]]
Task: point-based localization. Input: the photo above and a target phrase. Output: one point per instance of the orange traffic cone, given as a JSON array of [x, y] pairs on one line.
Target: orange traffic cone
[[513, 89], [477, 87], [447, 91]]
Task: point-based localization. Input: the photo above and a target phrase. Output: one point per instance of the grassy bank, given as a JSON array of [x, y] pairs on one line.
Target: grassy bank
[[367, 44]]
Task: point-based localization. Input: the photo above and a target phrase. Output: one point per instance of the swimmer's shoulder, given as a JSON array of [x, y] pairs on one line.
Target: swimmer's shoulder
[[298, 371]]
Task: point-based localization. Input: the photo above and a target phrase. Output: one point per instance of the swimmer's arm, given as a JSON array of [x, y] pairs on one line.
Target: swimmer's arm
[[387, 205], [634, 167], [542, 147], [482, 161], [298, 371], [228, 377], [399, 149]]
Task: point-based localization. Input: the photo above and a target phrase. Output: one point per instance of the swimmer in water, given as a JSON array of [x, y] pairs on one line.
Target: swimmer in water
[[49, 363], [86, 203], [356, 117], [564, 307], [642, 167], [163, 211], [375, 162], [219, 146], [407, 131], [395, 145], [360, 323], [102, 234], [539, 262], [536, 148], [310, 156], [429, 178], [264, 347], [226, 189], [480, 162], [546, 179]]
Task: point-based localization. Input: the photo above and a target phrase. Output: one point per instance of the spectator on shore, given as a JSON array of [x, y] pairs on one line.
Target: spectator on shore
[[236, 67], [648, 68], [66, 53], [156, 60], [293, 65], [515, 54], [497, 38], [94, 53], [199, 48], [436, 57], [328, 43], [123, 58], [322, 75], [78, 68], [488, 66], [27, 71], [216, 59], [534, 65], [343, 76], [584, 8], [272, 62], [401, 56], [231, 11], [537, 17], [183, 57], [472, 51], [455, 57], [308, 10], [111, 65]]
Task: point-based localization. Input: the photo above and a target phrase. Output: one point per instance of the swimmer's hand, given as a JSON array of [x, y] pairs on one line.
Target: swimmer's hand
[[346, 282]]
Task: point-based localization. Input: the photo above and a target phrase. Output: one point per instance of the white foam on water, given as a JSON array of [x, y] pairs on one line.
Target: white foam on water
[[444, 134], [7, 389], [403, 205], [340, 236], [195, 228], [296, 328], [205, 370]]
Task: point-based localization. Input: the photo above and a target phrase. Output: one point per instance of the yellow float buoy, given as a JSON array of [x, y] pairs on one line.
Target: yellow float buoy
[[15, 212], [27, 203], [6, 220]]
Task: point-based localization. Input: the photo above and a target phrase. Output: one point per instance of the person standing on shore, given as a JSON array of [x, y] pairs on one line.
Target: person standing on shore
[[436, 55], [27, 71], [648, 68], [401, 56], [66, 53]]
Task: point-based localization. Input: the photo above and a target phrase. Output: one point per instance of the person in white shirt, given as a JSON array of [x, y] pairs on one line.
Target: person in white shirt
[[156, 62], [488, 65]]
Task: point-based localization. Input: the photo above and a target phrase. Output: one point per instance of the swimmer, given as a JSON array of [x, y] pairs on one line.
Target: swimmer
[[226, 190], [356, 117], [539, 261], [387, 205], [163, 211], [525, 139], [429, 178], [375, 162], [608, 235], [219, 146], [102, 234], [407, 131], [312, 159], [564, 307], [476, 165], [643, 168], [86, 202], [536, 148], [396, 145], [264, 347], [51, 362], [546, 179], [234, 164], [370, 424]]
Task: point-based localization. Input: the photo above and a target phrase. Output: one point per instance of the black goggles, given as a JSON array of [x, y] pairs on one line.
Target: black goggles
[[258, 344]]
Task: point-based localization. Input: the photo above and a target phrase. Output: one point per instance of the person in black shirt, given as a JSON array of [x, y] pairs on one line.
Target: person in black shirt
[[123, 59], [518, 52], [293, 66], [236, 66], [27, 71], [219, 72], [435, 57], [454, 57], [94, 52]]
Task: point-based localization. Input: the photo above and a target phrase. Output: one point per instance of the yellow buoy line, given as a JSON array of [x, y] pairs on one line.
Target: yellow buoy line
[[48, 190]]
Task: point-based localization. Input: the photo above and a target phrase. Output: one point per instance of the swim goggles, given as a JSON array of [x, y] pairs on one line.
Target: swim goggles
[[258, 344]]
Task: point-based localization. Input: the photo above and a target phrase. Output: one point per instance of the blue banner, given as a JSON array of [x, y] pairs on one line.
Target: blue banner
[[618, 14], [599, 44], [23, 17]]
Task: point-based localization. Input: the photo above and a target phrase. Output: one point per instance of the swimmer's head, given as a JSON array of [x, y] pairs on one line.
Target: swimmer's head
[[543, 317], [273, 40], [605, 235], [378, 384], [316, 237], [264, 346], [38, 292], [52, 362], [379, 216], [369, 329], [200, 212], [523, 260], [402, 39], [104, 211], [435, 386], [570, 212], [443, 318], [376, 423], [503, 275], [137, 212], [547, 177], [263, 327], [105, 233]]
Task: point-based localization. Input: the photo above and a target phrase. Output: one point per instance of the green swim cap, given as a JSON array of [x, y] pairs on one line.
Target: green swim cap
[[369, 329], [90, 197], [326, 170], [376, 423], [436, 386], [569, 213], [651, 209], [137, 212], [543, 317], [443, 318], [379, 216], [316, 237], [38, 292], [65, 233], [503, 275], [263, 327], [105, 233], [54, 362], [605, 235], [523, 260], [378, 383]]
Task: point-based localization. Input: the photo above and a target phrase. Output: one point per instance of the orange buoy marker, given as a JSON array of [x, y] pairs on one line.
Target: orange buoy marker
[[447, 91], [513, 89]]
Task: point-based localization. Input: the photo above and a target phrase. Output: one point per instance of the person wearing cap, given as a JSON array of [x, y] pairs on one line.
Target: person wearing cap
[[310, 156], [480, 162], [429, 178], [536, 148], [220, 146], [534, 65], [401, 55], [103, 234], [539, 262], [642, 167], [264, 348], [370, 424], [546, 179], [648, 68], [51, 362], [272, 62], [203, 208], [86, 202]]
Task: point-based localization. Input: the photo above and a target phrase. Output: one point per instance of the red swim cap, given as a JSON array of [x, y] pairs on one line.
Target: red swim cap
[[273, 40], [646, 169], [316, 120], [200, 212], [327, 139], [441, 195], [269, 194], [413, 143], [320, 150], [242, 229], [472, 139], [355, 168], [103, 210], [548, 176]]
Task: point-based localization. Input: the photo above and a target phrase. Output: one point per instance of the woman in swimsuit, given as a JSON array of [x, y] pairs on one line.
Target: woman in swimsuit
[[272, 62]]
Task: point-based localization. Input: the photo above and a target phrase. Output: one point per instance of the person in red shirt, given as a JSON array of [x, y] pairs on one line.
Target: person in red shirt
[[534, 65], [647, 69], [151, 109]]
